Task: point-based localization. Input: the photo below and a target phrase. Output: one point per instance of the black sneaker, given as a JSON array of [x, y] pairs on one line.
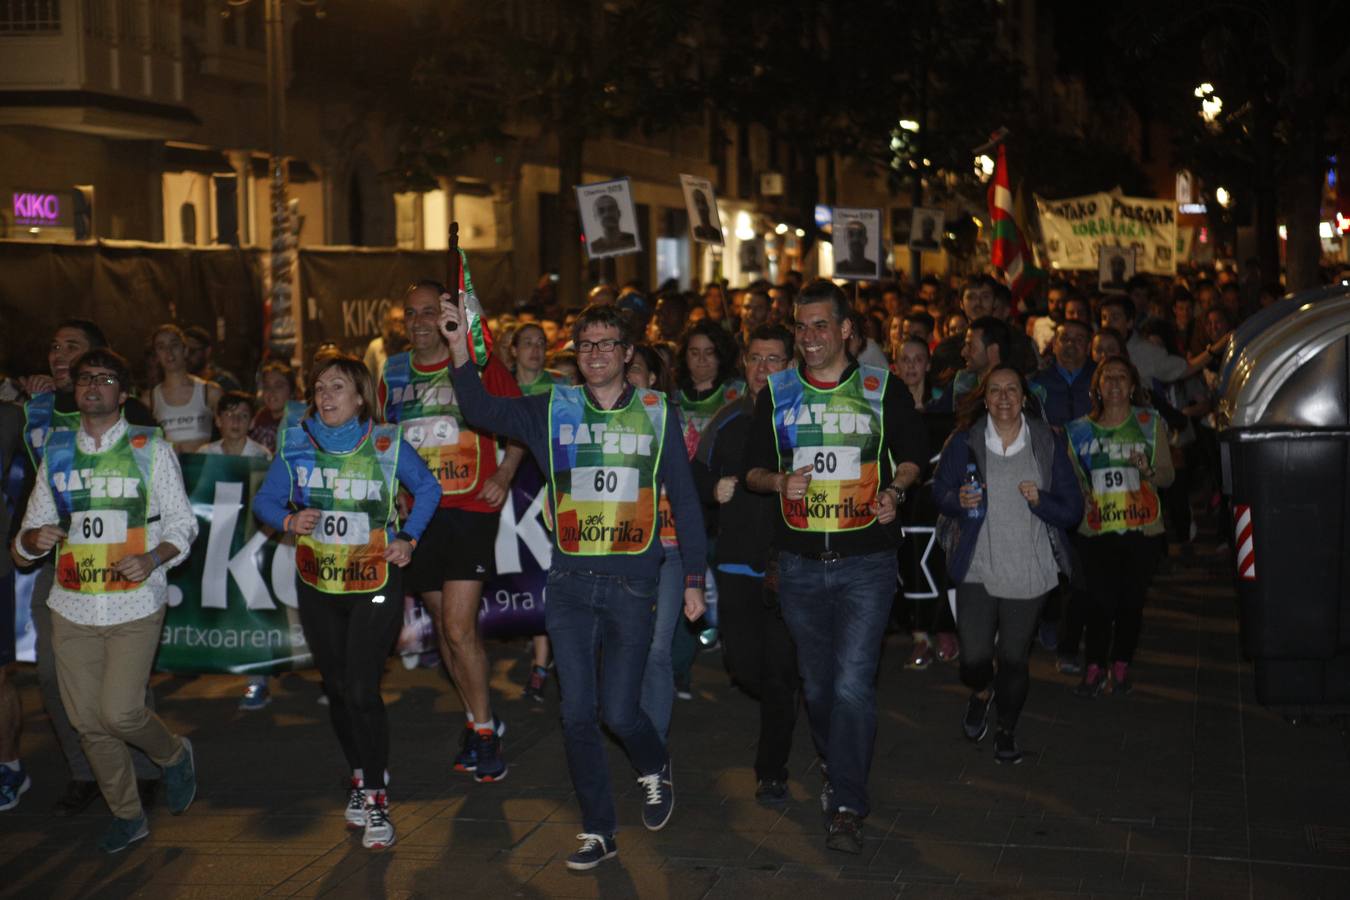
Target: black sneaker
[[180, 781], [1006, 750], [594, 849], [660, 798], [976, 724], [490, 765], [845, 832], [534, 690], [78, 795], [771, 792]]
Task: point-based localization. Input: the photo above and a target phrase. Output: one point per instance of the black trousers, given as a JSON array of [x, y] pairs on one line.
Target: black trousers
[[980, 618], [351, 636], [1119, 569], [762, 660]]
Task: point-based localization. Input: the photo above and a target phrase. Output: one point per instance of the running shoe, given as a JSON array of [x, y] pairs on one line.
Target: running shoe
[[1006, 751], [379, 831], [13, 784], [976, 722], [534, 690], [660, 798], [1093, 683], [594, 849], [490, 766]]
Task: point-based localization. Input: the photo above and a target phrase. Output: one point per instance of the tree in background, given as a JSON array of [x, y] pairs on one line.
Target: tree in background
[[552, 73]]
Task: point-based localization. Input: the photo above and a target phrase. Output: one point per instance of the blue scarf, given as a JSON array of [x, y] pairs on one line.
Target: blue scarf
[[340, 439]]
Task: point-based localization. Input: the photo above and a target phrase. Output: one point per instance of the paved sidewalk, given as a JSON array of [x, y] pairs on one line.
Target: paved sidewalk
[[1186, 788]]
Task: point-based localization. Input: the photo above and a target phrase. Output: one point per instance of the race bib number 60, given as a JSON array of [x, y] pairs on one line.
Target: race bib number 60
[[346, 528], [829, 463], [615, 484], [104, 526]]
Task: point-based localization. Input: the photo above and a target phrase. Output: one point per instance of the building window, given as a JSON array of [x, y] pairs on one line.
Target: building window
[[30, 16]]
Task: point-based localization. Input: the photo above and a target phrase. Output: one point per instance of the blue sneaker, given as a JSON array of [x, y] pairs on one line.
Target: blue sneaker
[[659, 802], [122, 833], [180, 782], [490, 765], [256, 696], [594, 849], [467, 758], [13, 784]]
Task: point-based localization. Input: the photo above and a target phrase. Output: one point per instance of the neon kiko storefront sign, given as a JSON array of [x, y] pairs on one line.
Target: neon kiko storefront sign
[[33, 208]]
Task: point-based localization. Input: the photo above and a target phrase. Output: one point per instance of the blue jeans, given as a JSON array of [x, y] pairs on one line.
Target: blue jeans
[[837, 614], [658, 682], [592, 617]]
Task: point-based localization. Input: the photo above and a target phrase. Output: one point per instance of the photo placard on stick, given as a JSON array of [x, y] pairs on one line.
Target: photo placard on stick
[[705, 225], [857, 243], [1115, 268], [925, 229], [608, 218]]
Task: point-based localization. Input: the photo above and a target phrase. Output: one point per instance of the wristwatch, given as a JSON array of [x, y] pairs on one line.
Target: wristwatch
[[897, 492]]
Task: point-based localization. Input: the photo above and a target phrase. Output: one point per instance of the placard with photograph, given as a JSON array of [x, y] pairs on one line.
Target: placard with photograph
[[925, 229], [608, 218], [857, 243], [705, 225], [1115, 268]]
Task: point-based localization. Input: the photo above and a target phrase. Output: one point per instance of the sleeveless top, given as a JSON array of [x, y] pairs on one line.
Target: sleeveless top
[[190, 422]]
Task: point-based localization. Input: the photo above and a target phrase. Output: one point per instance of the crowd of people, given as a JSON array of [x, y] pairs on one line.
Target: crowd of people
[[786, 472]]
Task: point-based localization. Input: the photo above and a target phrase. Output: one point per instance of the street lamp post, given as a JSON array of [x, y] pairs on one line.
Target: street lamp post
[[281, 338]]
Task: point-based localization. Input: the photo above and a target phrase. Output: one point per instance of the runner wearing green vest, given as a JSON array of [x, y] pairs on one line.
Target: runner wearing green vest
[[333, 484], [109, 504], [1120, 452], [824, 438], [609, 448], [531, 347], [52, 405]]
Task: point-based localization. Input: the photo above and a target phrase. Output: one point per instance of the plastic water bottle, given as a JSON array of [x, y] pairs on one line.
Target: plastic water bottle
[[973, 480]]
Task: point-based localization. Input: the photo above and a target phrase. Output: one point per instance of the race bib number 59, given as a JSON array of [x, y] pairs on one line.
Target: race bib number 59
[[1115, 480]]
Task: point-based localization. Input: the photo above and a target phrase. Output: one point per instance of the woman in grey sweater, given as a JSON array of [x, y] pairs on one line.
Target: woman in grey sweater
[[1006, 543]]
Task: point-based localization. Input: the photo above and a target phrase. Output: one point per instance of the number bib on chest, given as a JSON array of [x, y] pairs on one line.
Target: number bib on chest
[[837, 433], [424, 404], [1121, 500], [354, 493], [102, 499], [602, 476]]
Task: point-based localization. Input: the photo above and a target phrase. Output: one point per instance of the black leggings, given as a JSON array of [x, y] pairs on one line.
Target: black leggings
[[1119, 568], [981, 616], [350, 636]]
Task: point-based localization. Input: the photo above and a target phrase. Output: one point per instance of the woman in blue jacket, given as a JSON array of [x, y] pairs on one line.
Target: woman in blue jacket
[[1024, 487], [333, 484]]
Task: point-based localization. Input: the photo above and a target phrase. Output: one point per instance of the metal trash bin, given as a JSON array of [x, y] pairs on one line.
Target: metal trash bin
[[1284, 419]]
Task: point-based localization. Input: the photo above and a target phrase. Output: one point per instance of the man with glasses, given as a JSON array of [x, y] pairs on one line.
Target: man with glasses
[[458, 549], [758, 649], [607, 449], [110, 506], [51, 406], [824, 439]]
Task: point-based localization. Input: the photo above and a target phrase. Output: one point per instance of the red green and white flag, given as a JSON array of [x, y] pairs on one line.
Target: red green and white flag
[[1008, 250], [480, 336]]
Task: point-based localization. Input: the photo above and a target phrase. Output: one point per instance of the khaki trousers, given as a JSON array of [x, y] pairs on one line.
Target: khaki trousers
[[102, 671]]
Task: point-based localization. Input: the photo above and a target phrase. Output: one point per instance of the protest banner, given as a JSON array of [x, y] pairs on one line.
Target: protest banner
[[1076, 228]]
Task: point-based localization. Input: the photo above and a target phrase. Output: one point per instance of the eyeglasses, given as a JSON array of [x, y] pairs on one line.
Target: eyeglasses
[[772, 359], [84, 379], [605, 346]]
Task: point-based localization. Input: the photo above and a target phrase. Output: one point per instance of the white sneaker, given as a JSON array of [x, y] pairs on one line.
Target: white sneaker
[[356, 805], [379, 830]]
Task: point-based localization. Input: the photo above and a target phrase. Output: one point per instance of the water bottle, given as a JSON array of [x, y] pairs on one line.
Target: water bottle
[[973, 480]]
